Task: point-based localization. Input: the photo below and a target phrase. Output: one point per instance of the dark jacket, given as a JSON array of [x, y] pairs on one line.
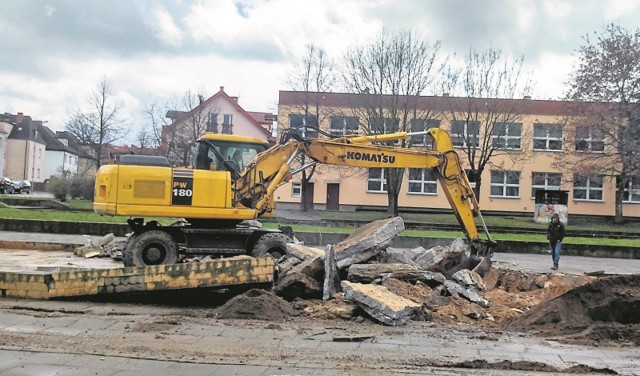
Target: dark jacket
[[555, 232]]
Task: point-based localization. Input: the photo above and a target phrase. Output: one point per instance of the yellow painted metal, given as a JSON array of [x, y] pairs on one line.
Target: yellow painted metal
[[146, 191]]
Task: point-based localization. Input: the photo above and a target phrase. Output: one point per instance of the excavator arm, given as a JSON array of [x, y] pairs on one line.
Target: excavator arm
[[258, 181]]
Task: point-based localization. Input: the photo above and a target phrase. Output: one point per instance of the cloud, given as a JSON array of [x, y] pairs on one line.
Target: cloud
[[162, 24], [55, 52]]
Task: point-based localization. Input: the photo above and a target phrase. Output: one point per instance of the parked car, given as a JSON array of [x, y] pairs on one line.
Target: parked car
[[6, 185], [21, 186]]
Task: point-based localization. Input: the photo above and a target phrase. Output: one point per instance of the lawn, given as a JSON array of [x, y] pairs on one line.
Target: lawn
[[81, 212]]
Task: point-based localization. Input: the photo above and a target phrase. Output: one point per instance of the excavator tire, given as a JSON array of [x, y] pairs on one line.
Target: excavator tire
[[274, 244], [153, 247]]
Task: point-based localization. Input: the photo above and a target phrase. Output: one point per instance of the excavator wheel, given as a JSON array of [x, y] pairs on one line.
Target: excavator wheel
[[153, 247], [274, 244]]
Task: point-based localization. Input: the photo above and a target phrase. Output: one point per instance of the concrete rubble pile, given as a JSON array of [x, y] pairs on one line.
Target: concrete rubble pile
[[392, 286], [106, 246]]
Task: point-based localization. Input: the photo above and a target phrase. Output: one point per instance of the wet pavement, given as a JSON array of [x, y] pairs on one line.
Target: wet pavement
[[81, 338], [55, 341]]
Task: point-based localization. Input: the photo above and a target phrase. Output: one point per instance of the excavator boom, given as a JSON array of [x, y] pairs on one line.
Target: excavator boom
[[258, 181]]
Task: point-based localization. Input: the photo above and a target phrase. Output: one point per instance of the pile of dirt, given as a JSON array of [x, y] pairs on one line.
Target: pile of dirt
[[604, 311], [256, 304]]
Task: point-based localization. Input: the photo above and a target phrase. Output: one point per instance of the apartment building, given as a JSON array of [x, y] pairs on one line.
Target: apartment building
[[530, 147]]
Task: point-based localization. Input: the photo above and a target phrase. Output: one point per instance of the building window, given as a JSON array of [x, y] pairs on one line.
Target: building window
[[505, 183], [507, 136], [344, 125], [296, 190], [423, 180], [304, 126], [227, 124], [377, 182], [632, 191], [589, 139], [213, 122], [379, 125], [547, 137], [472, 177], [421, 125], [587, 188], [545, 181], [465, 133]]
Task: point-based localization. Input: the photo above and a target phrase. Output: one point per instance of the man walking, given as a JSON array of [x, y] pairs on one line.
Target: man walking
[[555, 234]]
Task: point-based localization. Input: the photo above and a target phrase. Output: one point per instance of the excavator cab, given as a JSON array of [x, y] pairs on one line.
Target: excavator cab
[[226, 153]]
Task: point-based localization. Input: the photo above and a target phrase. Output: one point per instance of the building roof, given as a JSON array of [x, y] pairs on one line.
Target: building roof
[[265, 119], [179, 116], [24, 128], [51, 142], [524, 106], [73, 144]]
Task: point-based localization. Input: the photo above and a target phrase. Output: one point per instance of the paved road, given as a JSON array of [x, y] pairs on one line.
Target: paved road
[[568, 264], [85, 338]]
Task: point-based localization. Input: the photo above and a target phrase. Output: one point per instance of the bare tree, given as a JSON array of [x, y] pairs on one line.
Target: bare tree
[[156, 131], [192, 119], [485, 109], [102, 124], [314, 73], [605, 133], [392, 72]]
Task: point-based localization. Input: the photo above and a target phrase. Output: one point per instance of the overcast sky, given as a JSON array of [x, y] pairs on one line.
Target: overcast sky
[[53, 53]]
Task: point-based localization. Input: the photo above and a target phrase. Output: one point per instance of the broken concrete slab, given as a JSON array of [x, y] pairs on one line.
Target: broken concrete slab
[[367, 241], [303, 280], [297, 285], [105, 240], [469, 278], [442, 259], [366, 273], [288, 264], [416, 293], [404, 256], [456, 290], [331, 279], [381, 304], [303, 252]]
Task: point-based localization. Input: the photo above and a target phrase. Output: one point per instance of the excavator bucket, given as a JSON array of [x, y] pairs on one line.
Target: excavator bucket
[[480, 261]]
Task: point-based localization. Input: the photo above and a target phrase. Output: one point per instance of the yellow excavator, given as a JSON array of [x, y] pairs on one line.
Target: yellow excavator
[[233, 180]]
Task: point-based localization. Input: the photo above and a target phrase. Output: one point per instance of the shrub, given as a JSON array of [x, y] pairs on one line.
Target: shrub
[[82, 187], [60, 188]]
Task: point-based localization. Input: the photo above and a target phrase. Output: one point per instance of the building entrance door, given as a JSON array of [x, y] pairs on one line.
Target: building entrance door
[[333, 196]]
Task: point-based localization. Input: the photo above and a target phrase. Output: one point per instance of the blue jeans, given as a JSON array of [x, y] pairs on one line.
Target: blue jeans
[[555, 252]]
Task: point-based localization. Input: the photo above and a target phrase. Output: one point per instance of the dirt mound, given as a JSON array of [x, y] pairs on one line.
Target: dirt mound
[[606, 310], [256, 304]]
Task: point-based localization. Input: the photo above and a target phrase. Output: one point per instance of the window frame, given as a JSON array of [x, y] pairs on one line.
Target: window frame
[[589, 141], [546, 186], [629, 191], [344, 129], [415, 127], [464, 136], [548, 138], [300, 126], [423, 182], [375, 128], [296, 186], [588, 188], [504, 184], [382, 180], [506, 137]]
